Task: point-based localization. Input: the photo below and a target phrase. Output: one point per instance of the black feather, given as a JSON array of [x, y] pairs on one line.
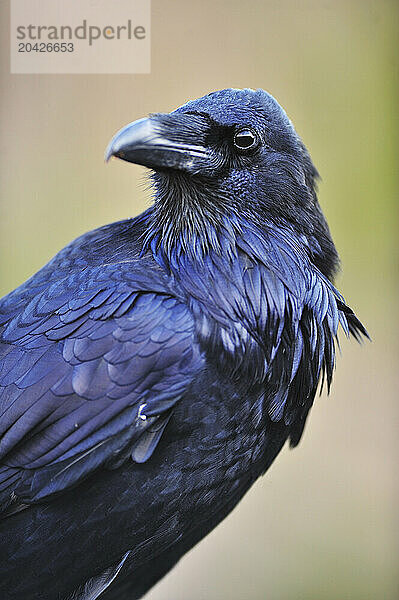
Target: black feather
[[154, 368]]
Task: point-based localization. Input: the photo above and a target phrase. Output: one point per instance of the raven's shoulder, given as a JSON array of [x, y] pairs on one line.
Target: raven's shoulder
[[119, 242], [92, 360]]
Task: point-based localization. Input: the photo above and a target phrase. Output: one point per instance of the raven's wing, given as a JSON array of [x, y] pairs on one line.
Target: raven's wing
[[89, 372]]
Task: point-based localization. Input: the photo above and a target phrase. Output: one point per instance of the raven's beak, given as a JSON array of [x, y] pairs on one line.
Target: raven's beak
[[142, 142]]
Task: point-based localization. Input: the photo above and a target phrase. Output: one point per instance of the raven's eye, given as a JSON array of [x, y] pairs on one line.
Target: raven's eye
[[245, 139]]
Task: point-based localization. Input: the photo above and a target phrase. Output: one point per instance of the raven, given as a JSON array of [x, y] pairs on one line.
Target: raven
[[155, 367]]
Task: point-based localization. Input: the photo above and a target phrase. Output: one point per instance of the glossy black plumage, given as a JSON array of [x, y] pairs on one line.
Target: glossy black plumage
[[155, 367]]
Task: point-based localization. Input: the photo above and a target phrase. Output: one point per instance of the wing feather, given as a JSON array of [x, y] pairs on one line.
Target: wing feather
[[79, 362]]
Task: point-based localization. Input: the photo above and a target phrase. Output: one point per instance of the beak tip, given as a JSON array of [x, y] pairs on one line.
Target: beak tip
[[109, 152]]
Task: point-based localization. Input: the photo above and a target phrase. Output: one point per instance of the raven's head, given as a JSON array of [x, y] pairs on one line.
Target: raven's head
[[232, 156]]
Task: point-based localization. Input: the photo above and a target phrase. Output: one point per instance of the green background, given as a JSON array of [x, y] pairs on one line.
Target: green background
[[322, 524]]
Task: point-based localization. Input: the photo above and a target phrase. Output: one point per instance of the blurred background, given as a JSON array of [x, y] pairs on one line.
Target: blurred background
[[323, 523]]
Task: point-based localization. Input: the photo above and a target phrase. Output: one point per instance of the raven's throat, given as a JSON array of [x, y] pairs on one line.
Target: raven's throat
[[190, 216]]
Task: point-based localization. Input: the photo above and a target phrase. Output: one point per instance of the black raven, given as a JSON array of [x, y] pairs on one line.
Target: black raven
[[155, 367]]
